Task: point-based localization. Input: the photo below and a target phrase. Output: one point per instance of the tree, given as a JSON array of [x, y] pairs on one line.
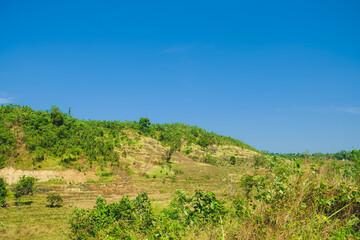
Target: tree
[[25, 187], [232, 160], [355, 157], [3, 193], [57, 117], [144, 124], [54, 199]]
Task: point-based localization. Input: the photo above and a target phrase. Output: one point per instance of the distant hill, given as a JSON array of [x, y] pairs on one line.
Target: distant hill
[[52, 139]]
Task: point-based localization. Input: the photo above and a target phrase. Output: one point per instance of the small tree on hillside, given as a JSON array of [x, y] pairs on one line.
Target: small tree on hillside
[[25, 187], [3, 193], [54, 199], [57, 117], [232, 160], [144, 124]]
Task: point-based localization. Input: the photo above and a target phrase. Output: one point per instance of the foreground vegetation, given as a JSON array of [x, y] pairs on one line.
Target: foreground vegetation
[[264, 198], [311, 199]]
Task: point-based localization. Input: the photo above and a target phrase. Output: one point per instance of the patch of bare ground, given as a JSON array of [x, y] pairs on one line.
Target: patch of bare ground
[[12, 175]]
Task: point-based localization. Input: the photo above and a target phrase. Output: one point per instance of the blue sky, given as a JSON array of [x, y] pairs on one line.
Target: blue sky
[[282, 76]]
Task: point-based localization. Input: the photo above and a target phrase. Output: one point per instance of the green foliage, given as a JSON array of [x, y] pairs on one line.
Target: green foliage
[[25, 187], [287, 188], [200, 208], [3, 193], [7, 140], [259, 160], [173, 134], [207, 208], [119, 220], [129, 219], [144, 124], [57, 117], [241, 207], [178, 171], [55, 135], [355, 157], [54, 200], [342, 155], [232, 160], [208, 158]]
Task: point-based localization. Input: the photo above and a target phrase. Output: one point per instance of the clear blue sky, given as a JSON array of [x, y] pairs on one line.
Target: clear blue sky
[[282, 76]]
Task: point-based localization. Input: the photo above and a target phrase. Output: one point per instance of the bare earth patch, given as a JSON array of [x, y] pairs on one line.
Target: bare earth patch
[[12, 175]]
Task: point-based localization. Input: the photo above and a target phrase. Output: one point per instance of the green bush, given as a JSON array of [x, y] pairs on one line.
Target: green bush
[[144, 124], [355, 157], [232, 160], [119, 220], [209, 159], [54, 200], [3, 193], [25, 187], [134, 219], [242, 208], [200, 208]]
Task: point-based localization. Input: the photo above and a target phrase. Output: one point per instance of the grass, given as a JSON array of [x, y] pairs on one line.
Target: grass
[[293, 215], [103, 179], [54, 181], [35, 221]]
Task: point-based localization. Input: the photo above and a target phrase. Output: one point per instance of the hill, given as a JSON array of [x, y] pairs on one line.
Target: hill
[[54, 140], [166, 181]]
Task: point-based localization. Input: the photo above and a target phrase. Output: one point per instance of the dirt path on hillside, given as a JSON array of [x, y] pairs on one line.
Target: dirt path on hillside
[[12, 175]]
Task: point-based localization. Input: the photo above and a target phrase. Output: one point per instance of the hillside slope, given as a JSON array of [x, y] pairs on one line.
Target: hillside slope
[[179, 174], [56, 141]]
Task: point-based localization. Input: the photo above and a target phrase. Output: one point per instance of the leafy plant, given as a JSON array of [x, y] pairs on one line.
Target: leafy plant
[[232, 160], [119, 220], [355, 157], [3, 193], [54, 200], [144, 124], [25, 187]]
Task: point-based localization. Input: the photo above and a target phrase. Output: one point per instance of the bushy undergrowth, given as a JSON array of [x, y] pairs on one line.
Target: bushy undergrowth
[[295, 198], [129, 219], [25, 187], [278, 199], [54, 200], [3, 193]]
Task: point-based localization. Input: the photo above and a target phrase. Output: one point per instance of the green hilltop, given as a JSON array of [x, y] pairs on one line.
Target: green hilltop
[[51, 139]]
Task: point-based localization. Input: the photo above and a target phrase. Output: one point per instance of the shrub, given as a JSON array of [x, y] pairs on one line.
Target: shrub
[[134, 219], [54, 199], [25, 187], [209, 159], [178, 171], [119, 220], [355, 157], [144, 124], [57, 117], [3, 193], [241, 208], [200, 208], [207, 208], [232, 160]]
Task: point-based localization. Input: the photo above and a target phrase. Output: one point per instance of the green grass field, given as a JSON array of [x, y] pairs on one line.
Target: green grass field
[[294, 206]]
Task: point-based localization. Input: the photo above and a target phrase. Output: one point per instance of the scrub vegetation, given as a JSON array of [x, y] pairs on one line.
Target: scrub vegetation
[[53, 139], [168, 181]]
